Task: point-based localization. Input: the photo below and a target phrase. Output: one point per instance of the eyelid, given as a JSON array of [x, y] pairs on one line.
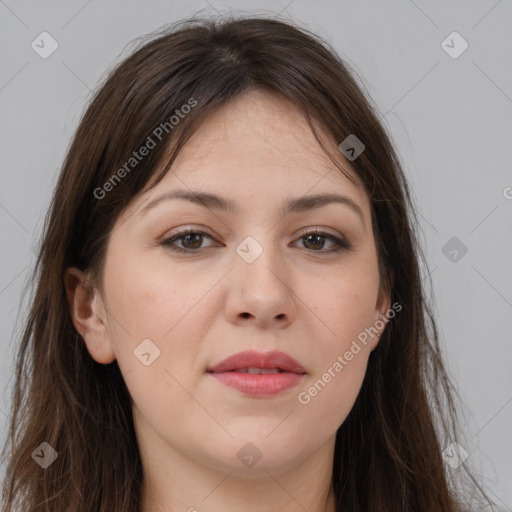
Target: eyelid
[[318, 229], [183, 230]]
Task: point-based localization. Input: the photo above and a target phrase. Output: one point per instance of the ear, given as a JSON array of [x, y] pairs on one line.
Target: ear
[[380, 318], [88, 315]]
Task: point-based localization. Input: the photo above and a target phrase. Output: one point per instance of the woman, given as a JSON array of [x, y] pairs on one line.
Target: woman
[[193, 343]]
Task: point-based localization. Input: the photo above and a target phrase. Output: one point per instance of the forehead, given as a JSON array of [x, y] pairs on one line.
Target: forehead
[[259, 145], [260, 129]]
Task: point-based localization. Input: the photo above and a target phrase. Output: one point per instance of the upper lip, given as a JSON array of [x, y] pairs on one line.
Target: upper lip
[[254, 359]]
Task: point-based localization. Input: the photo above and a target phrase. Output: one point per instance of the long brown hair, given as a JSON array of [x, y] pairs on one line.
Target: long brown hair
[[388, 451]]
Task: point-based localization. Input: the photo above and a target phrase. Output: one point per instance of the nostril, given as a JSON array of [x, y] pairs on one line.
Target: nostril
[[245, 315]]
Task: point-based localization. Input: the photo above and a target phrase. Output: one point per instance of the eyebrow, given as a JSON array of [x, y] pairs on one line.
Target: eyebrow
[[216, 202]]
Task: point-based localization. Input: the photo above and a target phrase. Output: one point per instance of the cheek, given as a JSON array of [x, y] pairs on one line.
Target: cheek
[[149, 298], [147, 302], [331, 395], [341, 346], [347, 307], [342, 356]]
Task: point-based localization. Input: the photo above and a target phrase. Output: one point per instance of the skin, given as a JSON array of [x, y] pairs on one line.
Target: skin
[[198, 309]]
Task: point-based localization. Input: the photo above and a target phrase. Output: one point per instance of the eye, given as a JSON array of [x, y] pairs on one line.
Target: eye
[[315, 240], [192, 240]]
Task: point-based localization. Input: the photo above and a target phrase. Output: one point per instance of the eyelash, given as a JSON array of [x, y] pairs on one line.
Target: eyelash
[[340, 245]]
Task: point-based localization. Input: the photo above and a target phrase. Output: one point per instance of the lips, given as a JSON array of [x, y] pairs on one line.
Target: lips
[[258, 374], [252, 360]]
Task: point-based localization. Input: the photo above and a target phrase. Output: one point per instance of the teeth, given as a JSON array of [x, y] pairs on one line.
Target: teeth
[[258, 371]]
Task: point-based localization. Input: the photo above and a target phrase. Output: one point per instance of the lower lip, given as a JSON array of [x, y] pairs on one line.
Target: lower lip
[[264, 385]]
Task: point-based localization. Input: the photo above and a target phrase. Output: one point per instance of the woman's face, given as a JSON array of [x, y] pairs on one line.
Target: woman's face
[[249, 279]]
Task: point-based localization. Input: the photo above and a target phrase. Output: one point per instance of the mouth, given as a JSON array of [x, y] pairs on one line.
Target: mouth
[[251, 361], [259, 371], [259, 374]]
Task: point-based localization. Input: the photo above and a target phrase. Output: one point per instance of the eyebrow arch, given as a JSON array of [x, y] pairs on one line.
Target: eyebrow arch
[[216, 202]]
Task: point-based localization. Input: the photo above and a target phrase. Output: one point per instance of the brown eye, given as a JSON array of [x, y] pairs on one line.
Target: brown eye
[[315, 241], [191, 241]]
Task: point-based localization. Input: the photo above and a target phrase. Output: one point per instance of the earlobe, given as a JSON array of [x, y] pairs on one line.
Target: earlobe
[[88, 315]]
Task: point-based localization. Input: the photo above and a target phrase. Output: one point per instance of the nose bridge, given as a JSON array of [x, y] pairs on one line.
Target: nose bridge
[[261, 279], [260, 255]]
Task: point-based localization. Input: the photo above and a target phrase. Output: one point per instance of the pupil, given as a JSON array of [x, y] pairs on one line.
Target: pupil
[[318, 237], [197, 236]]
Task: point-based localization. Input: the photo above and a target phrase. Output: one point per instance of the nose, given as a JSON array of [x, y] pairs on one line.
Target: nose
[[261, 292]]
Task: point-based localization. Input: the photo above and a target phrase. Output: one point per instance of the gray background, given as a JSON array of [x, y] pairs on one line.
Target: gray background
[[449, 118]]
